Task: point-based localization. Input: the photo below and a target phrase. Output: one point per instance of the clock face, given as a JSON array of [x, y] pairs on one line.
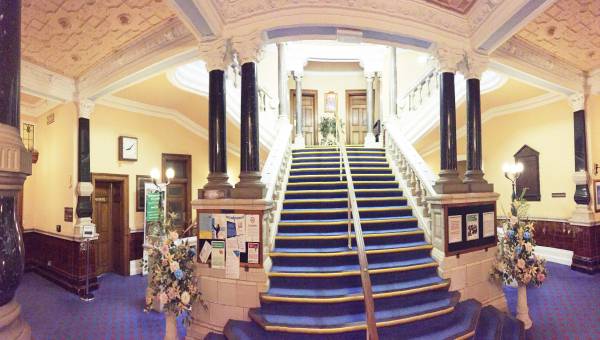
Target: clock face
[[129, 148]]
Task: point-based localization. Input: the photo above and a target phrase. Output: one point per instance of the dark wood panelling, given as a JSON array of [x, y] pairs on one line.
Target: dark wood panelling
[[586, 256], [554, 234], [136, 245], [60, 260]]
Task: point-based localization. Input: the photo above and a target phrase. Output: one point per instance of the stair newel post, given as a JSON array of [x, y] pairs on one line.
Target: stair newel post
[[418, 197]]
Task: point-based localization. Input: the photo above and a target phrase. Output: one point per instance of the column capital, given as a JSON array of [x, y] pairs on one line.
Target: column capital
[[473, 65], [216, 54], [447, 58], [370, 75], [249, 48], [577, 102], [85, 107], [297, 75]]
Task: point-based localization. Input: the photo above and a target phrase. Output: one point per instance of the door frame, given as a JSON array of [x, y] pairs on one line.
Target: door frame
[[188, 158], [349, 93], [315, 95], [126, 233]]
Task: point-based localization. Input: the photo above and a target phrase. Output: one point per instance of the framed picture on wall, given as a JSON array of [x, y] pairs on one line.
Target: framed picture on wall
[[331, 102], [597, 195], [140, 201]]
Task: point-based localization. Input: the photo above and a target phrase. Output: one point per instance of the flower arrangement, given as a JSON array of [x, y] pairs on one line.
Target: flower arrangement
[[516, 260], [171, 265]]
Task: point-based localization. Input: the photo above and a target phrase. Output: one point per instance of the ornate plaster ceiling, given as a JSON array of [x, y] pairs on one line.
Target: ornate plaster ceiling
[[569, 30], [459, 6], [70, 36]]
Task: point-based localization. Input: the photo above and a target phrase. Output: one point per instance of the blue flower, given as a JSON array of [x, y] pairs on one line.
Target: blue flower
[[518, 249], [510, 233], [526, 235], [179, 274]]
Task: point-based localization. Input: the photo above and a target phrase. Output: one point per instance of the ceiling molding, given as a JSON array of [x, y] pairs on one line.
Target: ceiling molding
[[593, 81], [169, 40], [503, 110], [38, 109], [530, 60], [43, 83], [160, 112], [509, 17], [198, 24]]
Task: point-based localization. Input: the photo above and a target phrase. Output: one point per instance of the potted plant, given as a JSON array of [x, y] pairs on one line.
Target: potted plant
[[171, 268], [516, 262], [327, 129]]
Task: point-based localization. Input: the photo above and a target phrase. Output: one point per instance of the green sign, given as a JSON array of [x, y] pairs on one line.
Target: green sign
[[152, 206]]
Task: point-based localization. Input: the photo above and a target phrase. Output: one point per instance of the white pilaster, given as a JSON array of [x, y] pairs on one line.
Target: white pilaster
[[370, 137], [299, 139], [282, 82]]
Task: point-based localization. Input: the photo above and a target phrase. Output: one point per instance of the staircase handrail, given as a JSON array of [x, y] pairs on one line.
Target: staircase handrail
[[354, 219], [416, 177], [275, 175], [415, 93]]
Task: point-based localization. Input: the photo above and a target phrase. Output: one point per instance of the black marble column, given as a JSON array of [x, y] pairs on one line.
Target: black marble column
[[84, 202], [582, 195], [448, 181], [249, 185], [218, 185], [11, 180], [10, 61], [474, 173], [11, 242]]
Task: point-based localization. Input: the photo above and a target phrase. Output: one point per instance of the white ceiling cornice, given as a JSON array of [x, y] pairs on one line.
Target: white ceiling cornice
[[169, 40], [160, 112], [41, 82], [493, 22], [520, 55]]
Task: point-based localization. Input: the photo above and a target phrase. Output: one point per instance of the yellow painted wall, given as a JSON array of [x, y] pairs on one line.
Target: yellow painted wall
[[51, 187], [155, 137], [593, 130], [547, 129]]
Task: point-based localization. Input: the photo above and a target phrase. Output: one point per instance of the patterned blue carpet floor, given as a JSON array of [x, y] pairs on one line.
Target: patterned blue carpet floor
[[116, 313], [566, 307]]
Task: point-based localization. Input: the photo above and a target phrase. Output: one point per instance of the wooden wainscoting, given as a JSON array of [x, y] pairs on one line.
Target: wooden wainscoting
[[60, 259], [136, 245]]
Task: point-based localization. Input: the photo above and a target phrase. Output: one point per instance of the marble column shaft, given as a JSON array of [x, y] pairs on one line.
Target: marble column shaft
[[370, 104], [298, 79], [84, 202], [282, 81], [582, 195], [447, 123]]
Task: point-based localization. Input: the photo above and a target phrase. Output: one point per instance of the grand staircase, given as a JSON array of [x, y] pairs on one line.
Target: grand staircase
[[315, 287]]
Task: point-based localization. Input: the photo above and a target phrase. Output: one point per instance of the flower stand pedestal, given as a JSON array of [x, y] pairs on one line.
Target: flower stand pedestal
[[170, 326], [522, 307]]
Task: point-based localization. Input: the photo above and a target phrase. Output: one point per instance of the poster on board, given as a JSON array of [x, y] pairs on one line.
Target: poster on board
[[455, 229], [472, 227], [489, 224]]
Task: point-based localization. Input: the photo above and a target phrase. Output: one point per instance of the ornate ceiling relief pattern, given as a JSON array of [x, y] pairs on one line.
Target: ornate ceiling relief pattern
[[232, 11], [569, 30], [70, 36], [459, 6]]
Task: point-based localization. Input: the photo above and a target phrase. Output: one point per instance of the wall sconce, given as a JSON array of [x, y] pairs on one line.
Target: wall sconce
[[596, 167], [155, 175], [512, 173]]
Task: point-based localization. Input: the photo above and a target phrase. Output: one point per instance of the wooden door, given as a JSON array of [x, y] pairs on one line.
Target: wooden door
[[116, 221], [356, 117], [102, 219], [179, 191], [309, 117]]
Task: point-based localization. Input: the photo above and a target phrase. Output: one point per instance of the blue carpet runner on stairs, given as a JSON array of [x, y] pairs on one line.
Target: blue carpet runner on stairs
[[315, 289]]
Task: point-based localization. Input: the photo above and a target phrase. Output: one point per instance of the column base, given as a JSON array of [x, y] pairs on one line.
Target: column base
[[249, 186], [217, 187], [299, 142], [474, 179], [586, 253], [12, 326], [449, 183], [370, 140], [582, 215]]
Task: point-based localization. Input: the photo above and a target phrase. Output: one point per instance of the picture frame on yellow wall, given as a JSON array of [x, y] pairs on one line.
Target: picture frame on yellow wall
[[331, 102], [140, 199], [128, 148], [597, 195]]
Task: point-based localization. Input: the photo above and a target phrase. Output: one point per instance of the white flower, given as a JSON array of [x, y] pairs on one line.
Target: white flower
[[185, 298], [513, 220], [173, 235], [174, 266]]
